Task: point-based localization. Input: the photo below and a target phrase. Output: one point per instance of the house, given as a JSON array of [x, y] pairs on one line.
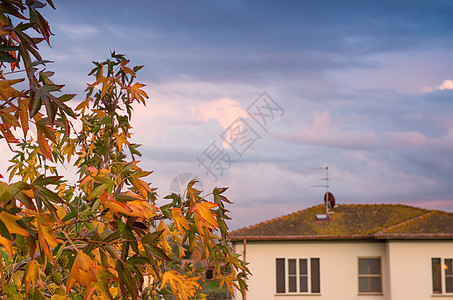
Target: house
[[371, 252]]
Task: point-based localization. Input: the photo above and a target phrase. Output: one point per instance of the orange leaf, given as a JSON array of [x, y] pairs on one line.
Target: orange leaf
[[81, 271], [7, 134], [135, 208], [115, 206], [11, 225], [23, 115], [44, 146], [7, 244], [137, 93]]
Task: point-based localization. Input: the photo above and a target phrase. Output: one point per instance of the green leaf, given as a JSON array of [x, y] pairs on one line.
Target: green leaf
[[92, 235], [156, 251], [99, 189], [137, 260], [51, 3], [113, 236], [16, 189], [4, 232], [5, 192], [6, 57], [127, 282]]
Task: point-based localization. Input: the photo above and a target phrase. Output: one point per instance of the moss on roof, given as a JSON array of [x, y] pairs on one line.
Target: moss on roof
[[351, 221]]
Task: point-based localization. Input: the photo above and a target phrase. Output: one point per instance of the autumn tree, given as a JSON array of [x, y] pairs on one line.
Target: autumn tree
[[108, 235]]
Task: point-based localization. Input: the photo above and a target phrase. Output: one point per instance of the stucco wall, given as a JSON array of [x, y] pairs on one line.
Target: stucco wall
[[410, 268], [338, 268], [406, 268]]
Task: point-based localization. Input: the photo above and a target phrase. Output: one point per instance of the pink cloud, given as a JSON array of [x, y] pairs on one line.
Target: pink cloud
[[404, 139], [446, 85], [321, 132], [224, 110]]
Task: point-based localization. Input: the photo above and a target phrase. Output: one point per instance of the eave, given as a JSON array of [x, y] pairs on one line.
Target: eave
[[381, 236]]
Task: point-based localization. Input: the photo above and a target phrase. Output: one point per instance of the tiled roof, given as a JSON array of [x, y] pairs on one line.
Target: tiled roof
[[354, 221]]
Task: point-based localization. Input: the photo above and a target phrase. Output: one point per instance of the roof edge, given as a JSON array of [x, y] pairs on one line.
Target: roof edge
[[382, 236]]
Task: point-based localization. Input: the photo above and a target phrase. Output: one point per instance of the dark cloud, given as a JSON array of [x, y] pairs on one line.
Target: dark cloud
[[354, 61], [223, 41]]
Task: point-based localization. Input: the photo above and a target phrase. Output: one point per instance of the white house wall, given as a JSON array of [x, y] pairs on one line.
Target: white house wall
[[406, 268], [338, 268], [410, 268]]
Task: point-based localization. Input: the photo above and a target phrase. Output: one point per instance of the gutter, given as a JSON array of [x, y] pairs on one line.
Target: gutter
[[379, 236]]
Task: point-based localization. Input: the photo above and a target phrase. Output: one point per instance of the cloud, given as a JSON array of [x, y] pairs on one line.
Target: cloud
[[321, 132], [403, 139], [77, 31], [324, 132], [224, 110], [447, 84]]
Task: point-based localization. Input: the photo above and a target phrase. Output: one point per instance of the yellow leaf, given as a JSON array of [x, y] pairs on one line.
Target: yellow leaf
[[204, 211], [8, 118], [142, 186], [107, 84], [183, 287], [69, 148], [83, 105], [179, 220], [120, 140], [7, 244], [33, 275], [17, 278], [171, 277], [59, 297], [141, 209], [7, 92], [45, 229], [46, 236], [10, 223], [29, 193]]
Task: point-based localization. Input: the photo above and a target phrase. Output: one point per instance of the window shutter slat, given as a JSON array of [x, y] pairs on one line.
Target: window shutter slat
[[280, 267]]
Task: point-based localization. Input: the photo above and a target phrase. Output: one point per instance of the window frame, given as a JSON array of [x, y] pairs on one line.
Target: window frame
[[313, 284], [443, 275], [369, 276]]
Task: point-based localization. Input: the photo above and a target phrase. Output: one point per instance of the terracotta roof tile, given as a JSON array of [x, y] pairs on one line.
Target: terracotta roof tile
[[353, 221]]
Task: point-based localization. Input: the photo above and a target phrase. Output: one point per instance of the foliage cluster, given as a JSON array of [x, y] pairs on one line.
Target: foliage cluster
[[103, 237]]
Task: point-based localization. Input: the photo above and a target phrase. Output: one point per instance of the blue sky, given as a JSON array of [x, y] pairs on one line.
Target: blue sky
[[364, 87]]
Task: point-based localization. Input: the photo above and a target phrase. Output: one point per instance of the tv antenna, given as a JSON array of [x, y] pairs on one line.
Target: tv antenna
[[326, 185], [329, 199]]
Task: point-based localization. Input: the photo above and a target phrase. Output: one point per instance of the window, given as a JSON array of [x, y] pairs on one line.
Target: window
[[370, 275], [439, 277], [298, 275], [209, 274]]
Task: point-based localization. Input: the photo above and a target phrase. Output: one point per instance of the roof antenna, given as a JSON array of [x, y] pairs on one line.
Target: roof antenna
[[329, 199]]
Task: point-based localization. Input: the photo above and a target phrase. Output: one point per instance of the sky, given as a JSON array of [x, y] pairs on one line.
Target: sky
[[258, 95]]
